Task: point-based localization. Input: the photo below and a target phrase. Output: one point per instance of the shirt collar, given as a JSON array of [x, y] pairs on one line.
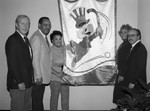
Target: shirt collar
[[135, 43], [42, 33], [21, 34]]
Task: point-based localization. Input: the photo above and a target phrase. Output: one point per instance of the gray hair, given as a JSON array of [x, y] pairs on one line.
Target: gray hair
[[21, 17]]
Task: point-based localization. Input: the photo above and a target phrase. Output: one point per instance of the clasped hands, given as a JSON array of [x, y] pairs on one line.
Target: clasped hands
[[39, 81]]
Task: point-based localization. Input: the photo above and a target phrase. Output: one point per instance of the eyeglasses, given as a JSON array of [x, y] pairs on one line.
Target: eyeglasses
[[132, 35]]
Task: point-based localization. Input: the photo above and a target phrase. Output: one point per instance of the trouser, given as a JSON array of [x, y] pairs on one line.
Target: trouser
[[56, 89], [21, 99], [37, 97]]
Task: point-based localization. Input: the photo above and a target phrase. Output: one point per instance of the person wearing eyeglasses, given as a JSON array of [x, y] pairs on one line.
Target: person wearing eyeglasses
[[137, 60]]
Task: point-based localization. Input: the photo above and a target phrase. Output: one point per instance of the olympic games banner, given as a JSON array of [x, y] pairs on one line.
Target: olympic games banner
[[88, 28]]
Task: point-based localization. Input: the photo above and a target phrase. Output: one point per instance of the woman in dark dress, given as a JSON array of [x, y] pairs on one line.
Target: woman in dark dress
[[121, 61]]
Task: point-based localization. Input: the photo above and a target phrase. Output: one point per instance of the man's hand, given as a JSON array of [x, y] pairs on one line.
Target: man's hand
[[21, 86], [39, 81], [131, 86]]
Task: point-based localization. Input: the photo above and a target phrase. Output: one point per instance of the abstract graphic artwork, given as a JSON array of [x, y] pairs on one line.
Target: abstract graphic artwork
[[90, 53]]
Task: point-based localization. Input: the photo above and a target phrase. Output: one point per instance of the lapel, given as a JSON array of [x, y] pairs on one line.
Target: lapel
[[43, 41], [133, 49], [19, 37], [22, 42]]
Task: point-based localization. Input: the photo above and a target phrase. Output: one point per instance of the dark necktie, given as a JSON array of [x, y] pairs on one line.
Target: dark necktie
[[28, 44], [47, 41], [27, 41]]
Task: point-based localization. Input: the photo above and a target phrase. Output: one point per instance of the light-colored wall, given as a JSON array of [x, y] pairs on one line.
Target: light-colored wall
[[144, 26], [127, 13], [82, 97], [9, 9]]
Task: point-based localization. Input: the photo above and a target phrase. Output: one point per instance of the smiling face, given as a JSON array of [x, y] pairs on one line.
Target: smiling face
[[124, 34], [45, 26], [57, 40], [23, 25]]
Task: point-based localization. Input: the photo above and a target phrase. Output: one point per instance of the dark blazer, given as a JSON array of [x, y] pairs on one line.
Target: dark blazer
[[136, 63], [19, 62]]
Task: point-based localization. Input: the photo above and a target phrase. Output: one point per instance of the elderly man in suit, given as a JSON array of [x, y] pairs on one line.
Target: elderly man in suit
[[41, 62], [20, 69], [136, 62]]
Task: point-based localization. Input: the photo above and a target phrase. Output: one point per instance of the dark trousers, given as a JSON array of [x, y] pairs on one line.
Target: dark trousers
[[20, 99], [37, 97], [56, 89]]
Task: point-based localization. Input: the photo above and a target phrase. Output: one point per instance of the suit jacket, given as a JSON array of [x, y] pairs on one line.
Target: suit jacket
[[19, 61], [41, 57], [136, 63]]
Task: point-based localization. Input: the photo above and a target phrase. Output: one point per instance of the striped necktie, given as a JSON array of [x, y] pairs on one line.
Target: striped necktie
[[47, 40], [26, 41], [29, 46]]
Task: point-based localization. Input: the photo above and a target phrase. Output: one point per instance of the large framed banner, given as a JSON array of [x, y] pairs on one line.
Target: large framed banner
[[88, 28]]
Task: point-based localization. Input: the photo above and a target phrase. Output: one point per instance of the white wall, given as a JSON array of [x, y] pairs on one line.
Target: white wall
[[127, 13], [82, 97], [9, 9], [144, 26]]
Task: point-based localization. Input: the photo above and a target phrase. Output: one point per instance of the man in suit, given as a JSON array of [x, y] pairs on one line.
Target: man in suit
[[19, 61], [136, 61], [41, 62]]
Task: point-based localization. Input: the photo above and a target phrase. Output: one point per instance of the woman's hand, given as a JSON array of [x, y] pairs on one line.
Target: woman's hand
[[39, 81]]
